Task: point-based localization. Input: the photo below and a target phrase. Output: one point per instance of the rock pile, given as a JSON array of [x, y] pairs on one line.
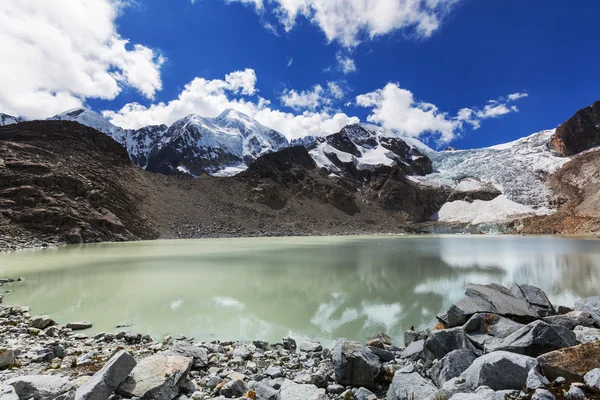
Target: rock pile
[[495, 343]]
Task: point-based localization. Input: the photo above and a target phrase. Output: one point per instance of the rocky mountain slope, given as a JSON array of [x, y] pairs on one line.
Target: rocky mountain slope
[[581, 132], [67, 183]]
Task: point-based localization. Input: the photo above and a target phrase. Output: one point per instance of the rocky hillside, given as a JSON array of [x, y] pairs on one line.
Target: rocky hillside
[[581, 132], [62, 182]]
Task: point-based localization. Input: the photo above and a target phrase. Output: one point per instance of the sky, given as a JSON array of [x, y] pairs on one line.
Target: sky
[[464, 73]]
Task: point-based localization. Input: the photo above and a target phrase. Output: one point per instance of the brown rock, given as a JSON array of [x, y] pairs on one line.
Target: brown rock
[[581, 132], [571, 363]]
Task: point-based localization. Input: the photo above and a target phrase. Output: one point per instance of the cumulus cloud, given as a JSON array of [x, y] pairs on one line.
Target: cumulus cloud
[[396, 108], [57, 53], [345, 64], [336, 90], [517, 96], [350, 21], [210, 97], [308, 99]]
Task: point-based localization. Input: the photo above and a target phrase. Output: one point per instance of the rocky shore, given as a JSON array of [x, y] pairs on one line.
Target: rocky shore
[[495, 343]]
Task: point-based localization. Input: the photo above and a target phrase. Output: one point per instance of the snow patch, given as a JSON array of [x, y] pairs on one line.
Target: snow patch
[[479, 211]]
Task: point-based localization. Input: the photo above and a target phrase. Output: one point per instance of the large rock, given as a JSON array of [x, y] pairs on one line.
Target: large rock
[[7, 392], [571, 363], [586, 335], [185, 349], [42, 387], [592, 380], [355, 364], [493, 298], [79, 325], [156, 377], [295, 391], [7, 358], [104, 382], [535, 380], [443, 341], [410, 386], [264, 392], [573, 319], [535, 297], [483, 393], [41, 322], [452, 365], [491, 324], [536, 338], [499, 370], [590, 304], [234, 388]]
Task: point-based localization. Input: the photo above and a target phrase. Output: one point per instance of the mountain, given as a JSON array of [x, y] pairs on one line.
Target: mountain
[[223, 146], [581, 132], [6, 119], [363, 148]]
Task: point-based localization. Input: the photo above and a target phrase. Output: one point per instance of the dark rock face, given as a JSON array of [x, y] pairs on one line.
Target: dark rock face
[[581, 132], [68, 183], [355, 364]]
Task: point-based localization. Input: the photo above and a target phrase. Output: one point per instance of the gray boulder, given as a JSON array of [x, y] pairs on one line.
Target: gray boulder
[[535, 380], [575, 393], [384, 355], [354, 364], [41, 322], [542, 394], [186, 349], [8, 358], [591, 304], [592, 379], [499, 370], [441, 342], [414, 351], [482, 393], [536, 338], [79, 325], [42, 387], [295, 391], [235, 388], [156, 377], [452, 365], [104, 382], [410, 386], [242, 352], [491, 324], [493, 298], [535, 297], [586, 335], [7, 392], [310, 346], [412, 336], [364, 394], [573, 319], [264, 392]]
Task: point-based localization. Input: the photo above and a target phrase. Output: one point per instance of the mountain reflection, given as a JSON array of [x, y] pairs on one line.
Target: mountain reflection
[[321, 288]]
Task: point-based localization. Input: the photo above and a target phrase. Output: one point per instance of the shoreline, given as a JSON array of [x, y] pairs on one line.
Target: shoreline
[[430, 364]]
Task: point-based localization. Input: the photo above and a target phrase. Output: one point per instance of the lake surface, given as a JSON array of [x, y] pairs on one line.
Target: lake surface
[[266, 288]]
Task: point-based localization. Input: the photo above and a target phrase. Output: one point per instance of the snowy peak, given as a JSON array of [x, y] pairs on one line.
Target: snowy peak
[[224, 145], [365, 147], [92, 119], [6, 119]]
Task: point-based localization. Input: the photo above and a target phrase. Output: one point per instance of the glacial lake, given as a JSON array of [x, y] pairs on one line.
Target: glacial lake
[[267, 288]]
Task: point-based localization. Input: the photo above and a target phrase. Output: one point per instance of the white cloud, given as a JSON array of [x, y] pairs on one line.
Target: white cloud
[[396, 108], [308, 99], [517, 96], [57, 53], [345, 64], [350, 21], [290, 62], [210, 97], [335, 89]]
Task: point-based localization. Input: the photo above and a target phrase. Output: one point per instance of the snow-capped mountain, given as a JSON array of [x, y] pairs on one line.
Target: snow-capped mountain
[[224, 145], [6, 119], [94, 120], [366, 147]]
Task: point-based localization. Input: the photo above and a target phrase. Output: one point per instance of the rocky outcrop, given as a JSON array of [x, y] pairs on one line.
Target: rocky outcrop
[[536, 338], [499, 370], [104, 382], [581, 132]]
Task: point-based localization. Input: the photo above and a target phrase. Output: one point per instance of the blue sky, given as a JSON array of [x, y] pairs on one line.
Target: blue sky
[[476, 51]]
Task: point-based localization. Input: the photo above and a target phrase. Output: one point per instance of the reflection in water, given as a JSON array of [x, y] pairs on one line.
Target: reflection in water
[[322, 288]]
